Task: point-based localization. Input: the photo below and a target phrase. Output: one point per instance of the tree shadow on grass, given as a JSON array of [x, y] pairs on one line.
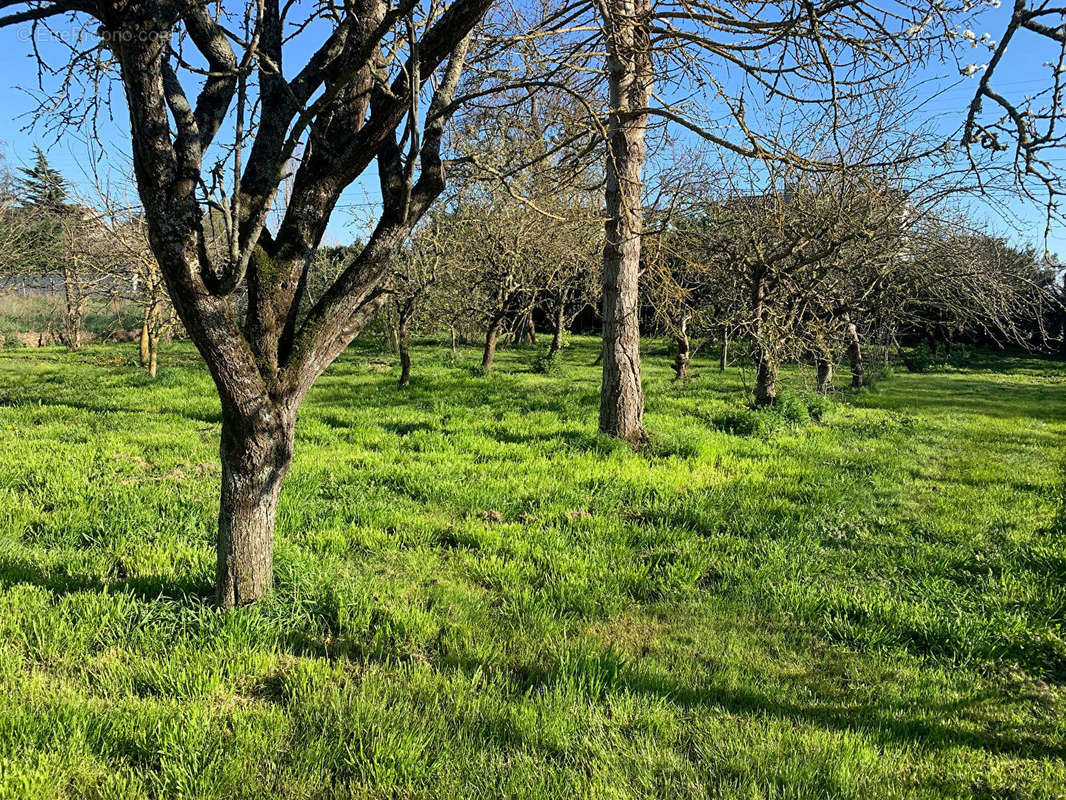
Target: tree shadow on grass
[[962, 722], [969, 394], [884, 722], [42, 400], [61, 582], [972, 721]]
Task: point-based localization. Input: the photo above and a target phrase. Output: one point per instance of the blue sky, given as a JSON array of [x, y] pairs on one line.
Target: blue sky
[[1022, 71]]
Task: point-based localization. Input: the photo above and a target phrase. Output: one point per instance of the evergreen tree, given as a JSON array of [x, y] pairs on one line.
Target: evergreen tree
[[42, 186]]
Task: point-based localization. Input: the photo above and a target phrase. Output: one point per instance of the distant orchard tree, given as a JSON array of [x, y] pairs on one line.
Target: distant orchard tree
[[63, 243]]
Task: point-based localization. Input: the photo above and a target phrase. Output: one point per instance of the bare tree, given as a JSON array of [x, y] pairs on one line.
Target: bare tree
[[1027, 130], [416, 270], [118, 245], [142, 283], [499, 254], [572, 279], [694, 292], [957, 277], [60, 245], [627, 34], [793, 257], [343, 108]]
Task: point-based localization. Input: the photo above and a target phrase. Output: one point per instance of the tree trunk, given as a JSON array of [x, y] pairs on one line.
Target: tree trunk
[[454, 344], [403, 339], [766, 357], [854, 355], [394, 335], [629, 89], [684, 352], [490, 344], [73, 298], [153, 351], [723, 357], [560, 322], [824, 368], [255, 457], [766, 380], [144, 337]]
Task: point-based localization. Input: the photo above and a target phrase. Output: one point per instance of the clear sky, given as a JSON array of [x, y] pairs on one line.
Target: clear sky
[[1021, 72]]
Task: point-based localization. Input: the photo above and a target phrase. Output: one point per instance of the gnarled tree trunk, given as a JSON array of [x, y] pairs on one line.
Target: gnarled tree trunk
[[824, 373], [256, 454], [403, 330], [629, 88], [855, 354], [766, 379], [491, 337], [765, 357], [723, 357], [74, 299], [684, 351], [144, 343], [153, 351], [264, 368]]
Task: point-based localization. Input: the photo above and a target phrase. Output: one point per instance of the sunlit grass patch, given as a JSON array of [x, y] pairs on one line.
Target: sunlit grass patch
[[477, 594]]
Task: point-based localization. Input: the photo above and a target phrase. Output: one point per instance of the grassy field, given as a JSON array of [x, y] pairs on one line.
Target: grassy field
[[478, 596]]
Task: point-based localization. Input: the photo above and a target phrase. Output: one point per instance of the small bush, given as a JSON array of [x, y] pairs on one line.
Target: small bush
[[792, 409], [920, 359], [960, 355], [674, 443], [819, 407], [546, 363], [923, 359], [750, 422]]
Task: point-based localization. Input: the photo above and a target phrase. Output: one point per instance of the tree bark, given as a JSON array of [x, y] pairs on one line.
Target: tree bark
[[144, 338], [629, 89], [766, 358], [394, 336], [491, 336], [73, 297], [824, 368], [855, 355], [723, 357], [524, 332], [684, 352], [560, 322], [256, 454], [403, 340], [766, 379], [153, 351]]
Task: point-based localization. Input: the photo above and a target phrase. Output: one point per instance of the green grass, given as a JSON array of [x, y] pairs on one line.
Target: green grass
[[479, 596]]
